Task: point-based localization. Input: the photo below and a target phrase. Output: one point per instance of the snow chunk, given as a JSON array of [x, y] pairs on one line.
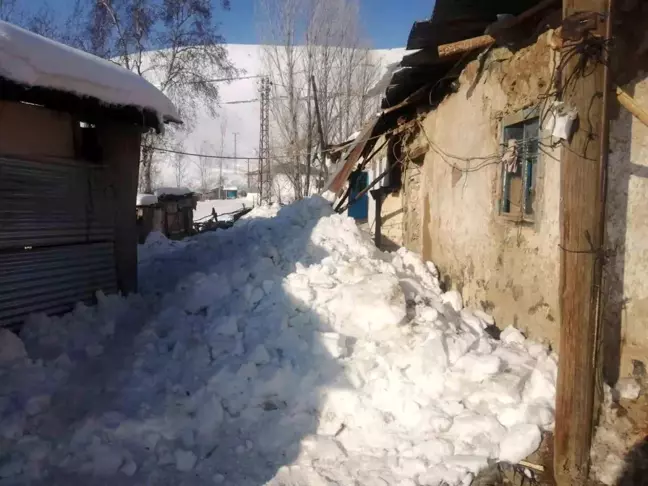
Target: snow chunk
[[512, 335], [129, 468], [11, 347], [628, 388], [106, 461], [453, 298], [369, 305], [521, 441], [30, 59], [37, 404], [184, 460], [146, 200]]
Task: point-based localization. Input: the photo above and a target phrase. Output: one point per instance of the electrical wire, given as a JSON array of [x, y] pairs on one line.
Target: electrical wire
[[286, 156]]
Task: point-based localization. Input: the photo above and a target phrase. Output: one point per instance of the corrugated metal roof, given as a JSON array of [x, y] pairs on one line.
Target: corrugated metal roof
[[454, 20]]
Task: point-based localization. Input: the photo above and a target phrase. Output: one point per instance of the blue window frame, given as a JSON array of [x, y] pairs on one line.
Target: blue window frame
[[519, 181]]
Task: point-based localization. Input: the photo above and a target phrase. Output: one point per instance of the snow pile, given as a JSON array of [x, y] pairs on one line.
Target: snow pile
[[157, 244], [285, 350], [30, 59], [146, 200], [619, 450]]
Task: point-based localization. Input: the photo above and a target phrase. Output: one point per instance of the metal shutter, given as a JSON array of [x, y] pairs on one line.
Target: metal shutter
[[56, 236]]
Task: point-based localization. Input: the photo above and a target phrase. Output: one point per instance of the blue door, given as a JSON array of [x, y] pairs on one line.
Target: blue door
[[360, 208]]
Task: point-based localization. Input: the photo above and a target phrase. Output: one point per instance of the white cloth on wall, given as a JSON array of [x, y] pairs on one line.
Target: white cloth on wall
[[510, 157]]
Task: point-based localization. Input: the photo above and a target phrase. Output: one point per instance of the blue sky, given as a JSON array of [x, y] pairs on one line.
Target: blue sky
[[386, 22]]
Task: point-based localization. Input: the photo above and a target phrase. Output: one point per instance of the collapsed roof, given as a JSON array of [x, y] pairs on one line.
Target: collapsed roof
[[440, 48]]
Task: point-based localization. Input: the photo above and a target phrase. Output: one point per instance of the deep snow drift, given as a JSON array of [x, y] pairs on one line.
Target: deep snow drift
[[286, 350]]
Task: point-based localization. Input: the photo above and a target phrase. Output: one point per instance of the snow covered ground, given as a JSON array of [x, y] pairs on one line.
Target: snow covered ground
[[284, 351]]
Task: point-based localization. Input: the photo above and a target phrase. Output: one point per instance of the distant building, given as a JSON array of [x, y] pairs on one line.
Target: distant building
[[221, 193], [169, 211], [230, 192]]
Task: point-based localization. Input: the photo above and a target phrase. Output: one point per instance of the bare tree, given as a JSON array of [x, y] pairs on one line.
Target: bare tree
[[318, 38], [223, 132], [204, 166], [179, 164], [10, 11], [174, 44], [40, 20]]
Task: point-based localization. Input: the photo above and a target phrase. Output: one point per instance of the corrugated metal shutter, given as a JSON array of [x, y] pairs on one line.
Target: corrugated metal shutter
[[56, 236], [52, 280]]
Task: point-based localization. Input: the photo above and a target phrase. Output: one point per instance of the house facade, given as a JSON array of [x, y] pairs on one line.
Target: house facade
[[491, 222]]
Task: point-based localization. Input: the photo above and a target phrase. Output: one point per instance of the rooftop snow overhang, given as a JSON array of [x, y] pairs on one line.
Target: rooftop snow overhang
[[38, 70]]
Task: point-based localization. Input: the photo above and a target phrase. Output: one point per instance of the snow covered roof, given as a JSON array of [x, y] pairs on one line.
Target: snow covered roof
[[146, 199], [30, 59], [173, 191]]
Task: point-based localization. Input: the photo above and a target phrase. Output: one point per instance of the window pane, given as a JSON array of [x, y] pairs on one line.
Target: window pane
[[529, 183], [506, 189], [514, 131], [518, 187]]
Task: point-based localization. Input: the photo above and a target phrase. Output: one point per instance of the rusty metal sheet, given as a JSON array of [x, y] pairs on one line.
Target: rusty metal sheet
[[339, 178]]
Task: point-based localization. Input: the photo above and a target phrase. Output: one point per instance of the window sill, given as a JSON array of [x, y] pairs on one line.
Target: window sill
[[516, 218]]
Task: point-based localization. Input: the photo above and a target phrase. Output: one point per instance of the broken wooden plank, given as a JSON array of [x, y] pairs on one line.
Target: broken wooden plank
[[629, 103]]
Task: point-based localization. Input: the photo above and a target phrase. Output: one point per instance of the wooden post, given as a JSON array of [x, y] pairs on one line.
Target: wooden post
[[377, 194], [582, 216]]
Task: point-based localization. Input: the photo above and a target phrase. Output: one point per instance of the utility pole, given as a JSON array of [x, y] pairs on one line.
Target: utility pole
[[320, 131], [309, 130], [583, 171], [235, 159], [249, 182], [264, 169]]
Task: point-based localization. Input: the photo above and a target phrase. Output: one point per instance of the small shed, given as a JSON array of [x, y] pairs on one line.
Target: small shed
[[70, 126], [176, 205], [149, 216], [231, 192]]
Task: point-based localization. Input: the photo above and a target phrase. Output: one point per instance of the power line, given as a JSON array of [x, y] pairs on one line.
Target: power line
[[192, 154], [224, 80]]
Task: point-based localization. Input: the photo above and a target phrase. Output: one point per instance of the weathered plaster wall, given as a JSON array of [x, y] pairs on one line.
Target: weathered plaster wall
[[625, 315], [505, 267], [512, 269], [626, 303]]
